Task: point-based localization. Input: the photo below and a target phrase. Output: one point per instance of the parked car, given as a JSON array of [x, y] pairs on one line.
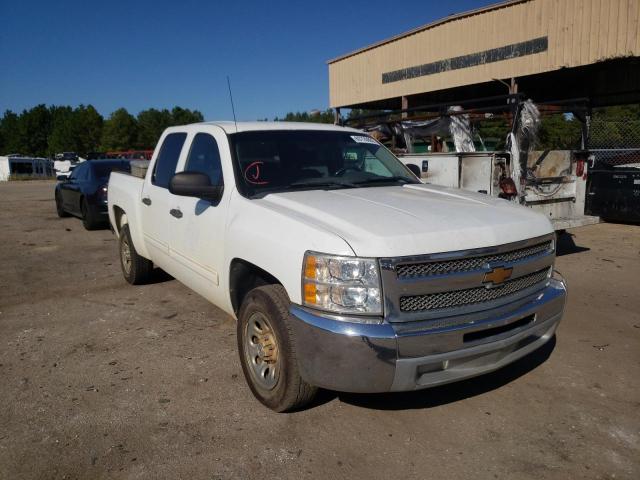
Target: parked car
[[342, 269], [83, 193], [614, 192], [69, 156]]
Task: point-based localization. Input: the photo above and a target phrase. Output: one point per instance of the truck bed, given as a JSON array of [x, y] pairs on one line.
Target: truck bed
[[125, 190]]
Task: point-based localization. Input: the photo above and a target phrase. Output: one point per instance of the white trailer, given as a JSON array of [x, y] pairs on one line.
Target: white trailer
[[18, 166]]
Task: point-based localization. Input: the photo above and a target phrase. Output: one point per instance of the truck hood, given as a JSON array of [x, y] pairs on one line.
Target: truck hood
[[411, 219]]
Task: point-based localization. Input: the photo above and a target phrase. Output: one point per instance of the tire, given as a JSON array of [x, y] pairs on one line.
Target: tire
[[88, 218], [59, 208], [267, 350], [135, 268]]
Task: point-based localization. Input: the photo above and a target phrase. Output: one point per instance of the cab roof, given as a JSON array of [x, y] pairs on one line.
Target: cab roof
[[232, 127]]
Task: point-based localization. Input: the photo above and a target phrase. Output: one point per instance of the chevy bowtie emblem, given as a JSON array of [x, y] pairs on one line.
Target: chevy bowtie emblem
[[497, 276]]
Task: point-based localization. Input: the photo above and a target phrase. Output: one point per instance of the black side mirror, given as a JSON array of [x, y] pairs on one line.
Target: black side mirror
[[415, 169], [195, 184]]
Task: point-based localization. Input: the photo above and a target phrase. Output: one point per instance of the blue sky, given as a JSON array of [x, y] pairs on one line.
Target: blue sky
[[142, 54]]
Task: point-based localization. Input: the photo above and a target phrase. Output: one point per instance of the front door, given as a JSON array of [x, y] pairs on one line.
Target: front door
[[197, 233]]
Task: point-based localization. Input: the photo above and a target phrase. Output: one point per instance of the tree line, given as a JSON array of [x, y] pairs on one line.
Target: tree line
[[316, 116], [44, 130], [611, 127]]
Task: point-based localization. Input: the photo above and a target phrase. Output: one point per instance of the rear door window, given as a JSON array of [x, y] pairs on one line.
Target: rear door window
[[167, 160], [204, 157]]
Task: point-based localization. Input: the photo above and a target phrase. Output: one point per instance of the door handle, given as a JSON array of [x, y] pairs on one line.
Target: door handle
[[176, 212], [146, 201]]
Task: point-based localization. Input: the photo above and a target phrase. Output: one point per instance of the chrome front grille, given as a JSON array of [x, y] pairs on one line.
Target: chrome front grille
[[470, 296], [456, 284], [443, 267]]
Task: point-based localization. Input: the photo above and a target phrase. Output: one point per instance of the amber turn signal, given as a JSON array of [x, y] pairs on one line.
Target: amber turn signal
[[310, 267], [310, 293]]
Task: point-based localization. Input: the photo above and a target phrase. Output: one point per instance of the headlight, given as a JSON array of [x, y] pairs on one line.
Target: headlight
[[341, 284]]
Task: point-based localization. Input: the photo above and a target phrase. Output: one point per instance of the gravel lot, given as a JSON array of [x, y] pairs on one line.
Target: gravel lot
[[99, 379]]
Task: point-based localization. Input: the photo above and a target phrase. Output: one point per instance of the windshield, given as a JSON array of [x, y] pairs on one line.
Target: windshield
[[277, 161]]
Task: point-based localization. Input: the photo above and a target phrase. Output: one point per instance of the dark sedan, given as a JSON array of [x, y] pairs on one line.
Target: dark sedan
[[84, 192]]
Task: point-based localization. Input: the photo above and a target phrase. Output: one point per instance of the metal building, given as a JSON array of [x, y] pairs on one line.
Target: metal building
[[552, 49]]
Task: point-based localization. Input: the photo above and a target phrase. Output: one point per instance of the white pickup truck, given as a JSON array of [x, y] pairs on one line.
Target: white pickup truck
[[342, 269]]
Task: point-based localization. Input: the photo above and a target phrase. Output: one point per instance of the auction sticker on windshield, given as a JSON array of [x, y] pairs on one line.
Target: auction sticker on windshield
[[363, 139]]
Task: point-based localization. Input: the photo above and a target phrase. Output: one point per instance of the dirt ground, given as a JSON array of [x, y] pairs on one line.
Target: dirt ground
[[99, 379]]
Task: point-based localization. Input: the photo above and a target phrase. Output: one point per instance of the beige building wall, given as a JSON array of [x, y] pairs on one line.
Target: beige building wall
[[579, 32]]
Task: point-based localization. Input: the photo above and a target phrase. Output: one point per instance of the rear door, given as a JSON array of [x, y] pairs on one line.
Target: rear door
[[71, 188], [65, 190], [156, 215], [197, 233]]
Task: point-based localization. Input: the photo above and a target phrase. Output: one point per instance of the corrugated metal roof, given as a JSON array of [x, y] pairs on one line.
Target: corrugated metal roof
[[512, 39], [450, 18]]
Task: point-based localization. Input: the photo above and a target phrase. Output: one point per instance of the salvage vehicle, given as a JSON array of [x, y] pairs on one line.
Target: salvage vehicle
[[342, 269], [445, 148], [83, 193]]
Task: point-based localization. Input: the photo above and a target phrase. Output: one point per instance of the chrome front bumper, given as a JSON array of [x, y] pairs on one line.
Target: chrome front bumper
[[356, 357]]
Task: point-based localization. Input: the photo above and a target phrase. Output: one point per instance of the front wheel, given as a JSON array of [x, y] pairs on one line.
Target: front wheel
[[267, 351], [135, 268]]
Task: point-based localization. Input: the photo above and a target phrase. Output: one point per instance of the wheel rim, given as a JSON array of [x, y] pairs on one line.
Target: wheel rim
[[261, 351], [125, 255]]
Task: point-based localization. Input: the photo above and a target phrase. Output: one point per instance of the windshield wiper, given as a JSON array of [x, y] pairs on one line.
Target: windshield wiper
[[383, 180], [323, 183]]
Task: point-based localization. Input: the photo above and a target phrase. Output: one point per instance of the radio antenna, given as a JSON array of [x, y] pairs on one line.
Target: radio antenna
[[232, 107]]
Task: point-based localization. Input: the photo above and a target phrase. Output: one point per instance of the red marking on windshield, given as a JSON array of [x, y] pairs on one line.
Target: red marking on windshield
[[252, 174]]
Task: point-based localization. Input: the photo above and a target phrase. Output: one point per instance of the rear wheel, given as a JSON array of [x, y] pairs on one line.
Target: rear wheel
[[59, 208], [88, 217], [135, 268], [267, 350]]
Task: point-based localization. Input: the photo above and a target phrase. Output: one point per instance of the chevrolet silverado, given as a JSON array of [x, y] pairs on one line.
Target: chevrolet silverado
[[343, 270]]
